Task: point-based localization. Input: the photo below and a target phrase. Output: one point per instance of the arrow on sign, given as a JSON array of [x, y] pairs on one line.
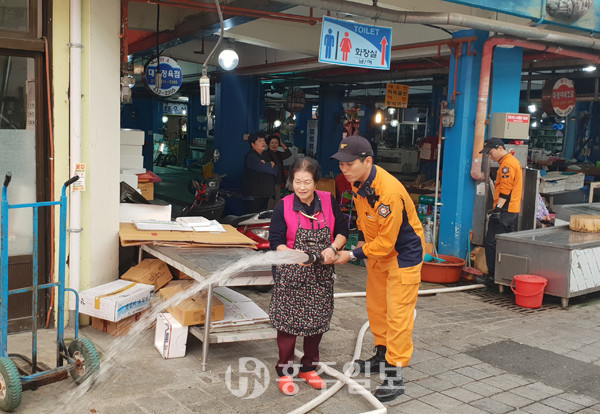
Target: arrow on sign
[[383, 45]]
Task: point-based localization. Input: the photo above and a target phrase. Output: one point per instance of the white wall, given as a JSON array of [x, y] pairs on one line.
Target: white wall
[[100, 141]]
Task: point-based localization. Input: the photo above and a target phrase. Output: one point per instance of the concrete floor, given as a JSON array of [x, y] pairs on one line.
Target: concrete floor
[[474, 353]]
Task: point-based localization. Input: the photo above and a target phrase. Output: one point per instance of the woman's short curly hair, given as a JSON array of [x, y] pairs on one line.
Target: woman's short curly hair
[[307, 164]]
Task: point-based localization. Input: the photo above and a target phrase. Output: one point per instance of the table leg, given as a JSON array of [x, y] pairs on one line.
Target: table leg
[[564, 303], [206, 327]]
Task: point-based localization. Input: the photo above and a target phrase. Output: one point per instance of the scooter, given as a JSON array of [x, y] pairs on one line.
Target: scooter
[[207, 201], [255, 226]]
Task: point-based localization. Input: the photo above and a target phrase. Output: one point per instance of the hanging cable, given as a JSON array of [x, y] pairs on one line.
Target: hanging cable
[[158, 76], [204, 80]]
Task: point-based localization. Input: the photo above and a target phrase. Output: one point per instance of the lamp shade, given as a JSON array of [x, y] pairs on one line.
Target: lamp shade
[[228, 59]]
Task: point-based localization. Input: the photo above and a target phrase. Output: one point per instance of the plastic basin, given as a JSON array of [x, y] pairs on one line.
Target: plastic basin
[[445, 272]]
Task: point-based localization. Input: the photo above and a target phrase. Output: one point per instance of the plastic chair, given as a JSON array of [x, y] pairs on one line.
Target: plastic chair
[[346, 209]]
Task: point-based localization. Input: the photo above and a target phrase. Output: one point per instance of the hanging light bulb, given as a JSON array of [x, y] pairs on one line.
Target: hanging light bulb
[[228, 59], [204, 88]]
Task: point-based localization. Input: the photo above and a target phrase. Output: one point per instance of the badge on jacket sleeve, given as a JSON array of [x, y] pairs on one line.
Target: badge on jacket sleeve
[[505, 170], [384, 210]]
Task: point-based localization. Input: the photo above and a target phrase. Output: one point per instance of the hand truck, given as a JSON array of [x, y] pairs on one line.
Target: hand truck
[[18, 372]]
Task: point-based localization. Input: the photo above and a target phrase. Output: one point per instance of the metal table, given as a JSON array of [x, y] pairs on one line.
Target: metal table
[[570, 260], [565, 211], [200, 263]]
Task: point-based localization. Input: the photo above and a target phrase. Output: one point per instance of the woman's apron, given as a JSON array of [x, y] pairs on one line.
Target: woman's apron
[[302, 301]]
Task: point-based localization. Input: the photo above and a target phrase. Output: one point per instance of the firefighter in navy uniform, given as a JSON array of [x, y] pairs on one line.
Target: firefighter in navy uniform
[[508, 188], [391, 238]]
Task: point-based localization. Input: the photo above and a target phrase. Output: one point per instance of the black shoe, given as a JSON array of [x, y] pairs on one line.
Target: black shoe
[[392, 386], [373, 364], [485, 280]]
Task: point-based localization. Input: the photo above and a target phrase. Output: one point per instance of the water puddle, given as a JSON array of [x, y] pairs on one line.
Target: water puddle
[[111, 369]]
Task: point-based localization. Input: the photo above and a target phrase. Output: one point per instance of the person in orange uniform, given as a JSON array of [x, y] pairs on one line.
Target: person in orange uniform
[[391, 238], [508, 188]]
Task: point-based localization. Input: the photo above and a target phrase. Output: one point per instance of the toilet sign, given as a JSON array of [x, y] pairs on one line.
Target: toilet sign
[[352, 44]]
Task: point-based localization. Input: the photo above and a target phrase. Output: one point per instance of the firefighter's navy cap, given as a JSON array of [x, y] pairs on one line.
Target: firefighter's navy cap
[[491, 144], [352, 148]]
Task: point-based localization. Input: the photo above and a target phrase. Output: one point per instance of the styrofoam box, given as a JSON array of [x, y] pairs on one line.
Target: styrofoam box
[[132, 161], [132, 136], [170, 337], [116, 300], [131, 149], [553, 184], [575, 181], [131, 179]]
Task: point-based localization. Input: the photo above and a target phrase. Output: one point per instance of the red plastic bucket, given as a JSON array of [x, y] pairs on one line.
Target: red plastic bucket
[[528, 290]]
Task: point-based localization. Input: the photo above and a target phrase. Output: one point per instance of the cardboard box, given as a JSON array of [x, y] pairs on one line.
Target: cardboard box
[[130, 236], [119, 328], [191, 311], [147, 190], [326, 184], [116, 300], [170, 337], [149, 272], [179, 275]]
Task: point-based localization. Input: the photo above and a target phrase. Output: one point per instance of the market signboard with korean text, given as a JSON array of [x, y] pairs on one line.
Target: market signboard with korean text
[[576, 14], [170, 76], [396, 95], [353, 44]]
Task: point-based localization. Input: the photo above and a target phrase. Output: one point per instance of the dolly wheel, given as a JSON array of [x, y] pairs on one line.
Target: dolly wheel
[[86, 358], [10, 385]]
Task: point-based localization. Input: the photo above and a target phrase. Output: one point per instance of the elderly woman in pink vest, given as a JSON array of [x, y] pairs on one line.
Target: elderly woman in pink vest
[[302, 304]]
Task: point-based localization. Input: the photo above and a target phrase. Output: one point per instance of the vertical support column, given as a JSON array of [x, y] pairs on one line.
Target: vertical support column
[[331, 126], [237, 110], [457, 185], [506, 80]]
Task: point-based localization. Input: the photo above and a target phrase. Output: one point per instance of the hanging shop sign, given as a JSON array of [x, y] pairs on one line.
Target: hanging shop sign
[[170, 76], [352, 44], [396, 95], [558, 97], [575, 14], [174, 108]]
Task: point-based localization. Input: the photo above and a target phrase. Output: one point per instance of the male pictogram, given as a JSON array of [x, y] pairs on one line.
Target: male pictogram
[[329, 41]]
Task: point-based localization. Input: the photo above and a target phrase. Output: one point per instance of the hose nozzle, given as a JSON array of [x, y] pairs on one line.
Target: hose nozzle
[[314, 258]]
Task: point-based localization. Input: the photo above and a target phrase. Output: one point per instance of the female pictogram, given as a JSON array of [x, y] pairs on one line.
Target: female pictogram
[[345, 46]]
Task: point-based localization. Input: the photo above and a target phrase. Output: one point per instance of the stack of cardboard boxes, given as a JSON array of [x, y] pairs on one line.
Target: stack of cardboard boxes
[[116, 306]]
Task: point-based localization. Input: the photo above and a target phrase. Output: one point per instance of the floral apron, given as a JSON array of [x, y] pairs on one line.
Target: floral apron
[[302, 301]]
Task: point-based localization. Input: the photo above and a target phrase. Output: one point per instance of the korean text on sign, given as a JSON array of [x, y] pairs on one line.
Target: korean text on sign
[[396, 95]]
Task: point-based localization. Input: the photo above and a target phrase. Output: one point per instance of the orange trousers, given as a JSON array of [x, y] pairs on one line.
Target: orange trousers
[[391, 300]]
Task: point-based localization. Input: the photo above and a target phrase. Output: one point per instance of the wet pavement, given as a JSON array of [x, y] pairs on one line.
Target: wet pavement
[[475, 352]]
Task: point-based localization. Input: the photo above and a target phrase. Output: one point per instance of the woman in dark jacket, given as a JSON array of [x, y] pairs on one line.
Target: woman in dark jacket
[[259, 176], [302, 304], [273, 144]]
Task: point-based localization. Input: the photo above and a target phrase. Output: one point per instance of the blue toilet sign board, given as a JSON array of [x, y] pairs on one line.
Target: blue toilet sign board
[[353, 44]]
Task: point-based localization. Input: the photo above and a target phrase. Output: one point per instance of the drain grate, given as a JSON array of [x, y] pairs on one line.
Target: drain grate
[[507, 301]]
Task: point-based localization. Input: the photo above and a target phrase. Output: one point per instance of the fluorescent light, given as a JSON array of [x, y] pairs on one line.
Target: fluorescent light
[[383, 127], [378, 118], [532, 108], [277, 123], [392, 111], [394, 123], [165, 119], [534, 125], [590, 68]]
